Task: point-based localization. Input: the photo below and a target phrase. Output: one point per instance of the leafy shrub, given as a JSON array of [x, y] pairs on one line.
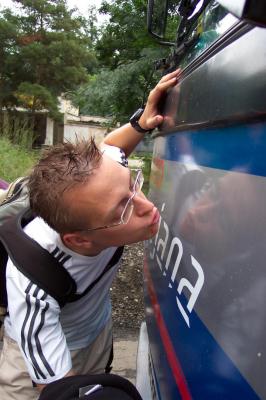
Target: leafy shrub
[[15, 161]]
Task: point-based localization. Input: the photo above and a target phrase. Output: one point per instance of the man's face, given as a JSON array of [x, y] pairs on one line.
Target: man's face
[[102, 200]]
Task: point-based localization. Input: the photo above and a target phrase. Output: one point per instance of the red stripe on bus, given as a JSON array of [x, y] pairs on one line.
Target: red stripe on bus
[[166, 340]]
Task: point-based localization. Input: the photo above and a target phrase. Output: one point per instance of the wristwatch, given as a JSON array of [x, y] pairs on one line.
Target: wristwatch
[[134, 120]]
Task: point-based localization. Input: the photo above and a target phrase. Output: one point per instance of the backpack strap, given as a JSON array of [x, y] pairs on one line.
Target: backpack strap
[[37, 264], [3, 294], [34, 261], [14, 190], [114, 260], [15, 200]]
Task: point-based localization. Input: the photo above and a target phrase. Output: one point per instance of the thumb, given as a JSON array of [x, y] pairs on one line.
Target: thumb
[[155, 121]]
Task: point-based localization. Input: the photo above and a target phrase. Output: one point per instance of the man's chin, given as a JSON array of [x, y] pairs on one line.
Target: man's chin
[[150, 232]]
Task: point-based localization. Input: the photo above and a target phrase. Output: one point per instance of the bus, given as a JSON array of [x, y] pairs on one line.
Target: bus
[[205, 271]]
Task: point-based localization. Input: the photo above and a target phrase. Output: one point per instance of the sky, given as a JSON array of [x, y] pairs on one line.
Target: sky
[[82, 5]]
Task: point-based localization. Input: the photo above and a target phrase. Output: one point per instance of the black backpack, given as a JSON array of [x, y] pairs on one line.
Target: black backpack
[[29, 257], [91, 387]]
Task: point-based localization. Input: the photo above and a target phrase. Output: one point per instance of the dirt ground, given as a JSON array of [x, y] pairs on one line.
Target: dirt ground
[[127, 292]]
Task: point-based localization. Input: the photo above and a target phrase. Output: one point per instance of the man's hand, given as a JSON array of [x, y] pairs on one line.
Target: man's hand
[[150, 118], [126, 137]]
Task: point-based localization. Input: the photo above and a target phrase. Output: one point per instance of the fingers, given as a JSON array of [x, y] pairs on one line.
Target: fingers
[[155, 121], [165, 83], [162, 86], [170, 76], [150, 118]]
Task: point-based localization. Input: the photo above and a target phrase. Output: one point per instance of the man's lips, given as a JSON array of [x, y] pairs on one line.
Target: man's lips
[[155, 216]]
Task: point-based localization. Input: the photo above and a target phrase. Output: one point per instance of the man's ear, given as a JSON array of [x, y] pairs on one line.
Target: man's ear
[[77, 241]]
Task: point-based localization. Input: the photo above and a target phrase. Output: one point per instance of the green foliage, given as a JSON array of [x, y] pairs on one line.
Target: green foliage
[[15, 161], [44, 52], [18, 129], [126, 54], [37, 97], [165, 19], [48, 50], [125, 36], [8, 36], [119, 92], [91, 27]]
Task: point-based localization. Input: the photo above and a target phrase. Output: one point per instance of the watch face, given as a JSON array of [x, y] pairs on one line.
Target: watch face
[[134, 120], [136, 116]]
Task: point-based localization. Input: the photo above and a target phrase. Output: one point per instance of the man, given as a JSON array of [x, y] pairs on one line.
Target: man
[[87, 204]]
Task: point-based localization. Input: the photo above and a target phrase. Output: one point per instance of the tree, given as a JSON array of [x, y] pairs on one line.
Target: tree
[[127, 54], [47, 53], [125, 36], [117, 93], [92, 30], [8, 40]]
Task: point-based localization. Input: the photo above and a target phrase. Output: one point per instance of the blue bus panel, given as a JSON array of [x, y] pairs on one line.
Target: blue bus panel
[[205, 281]]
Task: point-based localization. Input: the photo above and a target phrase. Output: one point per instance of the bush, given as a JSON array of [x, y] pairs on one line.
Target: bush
[[17, 128], [15, 161]]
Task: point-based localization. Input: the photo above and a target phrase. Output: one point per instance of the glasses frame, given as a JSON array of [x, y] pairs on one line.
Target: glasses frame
[[134, 193]]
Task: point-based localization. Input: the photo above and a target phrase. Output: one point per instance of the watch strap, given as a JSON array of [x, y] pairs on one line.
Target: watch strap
[[134, 121]]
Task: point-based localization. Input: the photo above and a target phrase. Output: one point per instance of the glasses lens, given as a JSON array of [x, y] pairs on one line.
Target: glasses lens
[[137, 180], [135, 187], [140, 181], [127, 212]]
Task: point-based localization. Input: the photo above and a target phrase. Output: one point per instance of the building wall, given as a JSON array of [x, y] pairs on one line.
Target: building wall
[[49, 139], [81, 131]]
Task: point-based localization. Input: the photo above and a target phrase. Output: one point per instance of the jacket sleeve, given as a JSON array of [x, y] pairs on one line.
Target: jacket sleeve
[[35, 325]]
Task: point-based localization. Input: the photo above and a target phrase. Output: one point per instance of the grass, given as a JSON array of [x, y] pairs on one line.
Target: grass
[[15, 161]]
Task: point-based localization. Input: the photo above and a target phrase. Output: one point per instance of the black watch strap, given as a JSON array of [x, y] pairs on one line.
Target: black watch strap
[[134, 121]]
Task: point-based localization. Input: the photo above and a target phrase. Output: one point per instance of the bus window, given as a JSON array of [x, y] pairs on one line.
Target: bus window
[[212, 23]]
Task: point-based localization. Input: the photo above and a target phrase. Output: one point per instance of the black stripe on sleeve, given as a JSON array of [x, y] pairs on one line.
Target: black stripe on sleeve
[[29, 337], [25, 319], [23, 341], [37, 341], [36, 336], [38, 344]]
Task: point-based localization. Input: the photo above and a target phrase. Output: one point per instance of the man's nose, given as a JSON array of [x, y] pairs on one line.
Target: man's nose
[[142, 205]]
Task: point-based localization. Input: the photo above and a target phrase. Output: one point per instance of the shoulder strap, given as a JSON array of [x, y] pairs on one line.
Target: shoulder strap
[[34, 261], [38, 264], [14, 190], [114, 260], [3, 294]]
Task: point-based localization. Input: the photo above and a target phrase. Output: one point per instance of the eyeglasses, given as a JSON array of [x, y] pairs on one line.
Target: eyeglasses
[[137, 180]]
